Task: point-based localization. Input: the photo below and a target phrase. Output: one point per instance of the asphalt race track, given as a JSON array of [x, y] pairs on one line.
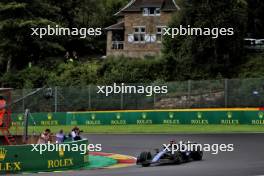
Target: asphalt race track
[[247, 159]]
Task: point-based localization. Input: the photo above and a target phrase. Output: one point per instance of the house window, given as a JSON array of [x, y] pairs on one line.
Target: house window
[[152, 11], [139, 34], [145, 12], [157, 11], [159, 33]]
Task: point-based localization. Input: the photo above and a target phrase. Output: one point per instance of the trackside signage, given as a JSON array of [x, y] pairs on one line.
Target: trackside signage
[[171, 117], [8, 166], [21, 158]]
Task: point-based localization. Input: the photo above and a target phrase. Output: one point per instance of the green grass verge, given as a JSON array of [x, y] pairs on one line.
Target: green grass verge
[[166, 129]]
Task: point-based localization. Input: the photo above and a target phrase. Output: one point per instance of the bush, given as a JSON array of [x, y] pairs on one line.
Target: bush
[[253, 68], [130, 70], [27, 78], [74, 74]]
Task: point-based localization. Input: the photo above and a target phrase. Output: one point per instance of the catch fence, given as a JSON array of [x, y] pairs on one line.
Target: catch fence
[[226, 93]]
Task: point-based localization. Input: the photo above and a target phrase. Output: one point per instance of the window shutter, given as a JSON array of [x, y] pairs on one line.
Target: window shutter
[[130, 38], [153, 38], [147, 38]]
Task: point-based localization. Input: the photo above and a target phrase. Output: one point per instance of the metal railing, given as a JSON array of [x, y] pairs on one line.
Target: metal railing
[[117, 45], [254, 44]]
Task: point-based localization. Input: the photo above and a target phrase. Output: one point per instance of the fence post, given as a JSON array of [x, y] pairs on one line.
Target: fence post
[[154, 97], [23, 100], [56, 99], [122, 101], [89, 97], [154, 100], [226, 93], [26, 116], [189, 93]]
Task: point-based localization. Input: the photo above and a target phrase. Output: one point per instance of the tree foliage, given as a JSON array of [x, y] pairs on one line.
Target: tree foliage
[[203, 57], [18, 47], [28, 61], [255, 18]]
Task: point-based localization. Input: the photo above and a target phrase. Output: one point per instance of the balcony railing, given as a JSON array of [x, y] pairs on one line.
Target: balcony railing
[[254, 44], [117, 45]]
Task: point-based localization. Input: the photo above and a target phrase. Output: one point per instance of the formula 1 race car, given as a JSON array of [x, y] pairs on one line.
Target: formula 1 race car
[[163, 156]]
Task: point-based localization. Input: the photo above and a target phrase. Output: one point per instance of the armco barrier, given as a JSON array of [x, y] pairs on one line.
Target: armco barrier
[[250, 116], [20, 158]]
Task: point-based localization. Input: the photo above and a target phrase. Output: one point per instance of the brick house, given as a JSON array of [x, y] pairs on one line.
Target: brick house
[[138, 32]]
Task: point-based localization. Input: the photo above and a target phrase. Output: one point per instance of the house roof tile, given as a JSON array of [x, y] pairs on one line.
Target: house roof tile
[[117, 26], [137, 5]]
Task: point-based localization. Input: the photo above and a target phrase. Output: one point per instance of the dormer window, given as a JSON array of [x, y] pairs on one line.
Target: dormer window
[[151, 11]]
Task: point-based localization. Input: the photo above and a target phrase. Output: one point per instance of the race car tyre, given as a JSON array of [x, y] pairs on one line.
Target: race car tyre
[[145, 164], [197, 156], [144, 159], [177, 157]]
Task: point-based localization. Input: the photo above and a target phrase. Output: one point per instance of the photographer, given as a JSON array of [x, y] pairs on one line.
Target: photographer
[[60, 137], [78, 135], [45, 137], [75, 134]]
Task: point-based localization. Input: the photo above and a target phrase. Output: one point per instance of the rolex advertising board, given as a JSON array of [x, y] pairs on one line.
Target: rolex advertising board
[[30, 158], [170, 117]]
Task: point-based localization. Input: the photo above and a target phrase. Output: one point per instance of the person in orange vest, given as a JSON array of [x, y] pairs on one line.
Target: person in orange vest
[[2, 110]]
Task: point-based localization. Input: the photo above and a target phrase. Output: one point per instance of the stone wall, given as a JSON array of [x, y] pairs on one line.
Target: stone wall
[[191, 101], [133, 53]]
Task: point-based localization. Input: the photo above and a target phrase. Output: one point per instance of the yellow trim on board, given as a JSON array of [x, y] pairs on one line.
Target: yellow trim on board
[[172, 110]]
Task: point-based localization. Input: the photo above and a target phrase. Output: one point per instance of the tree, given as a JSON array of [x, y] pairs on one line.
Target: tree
[[256, 18], [203, 57], [17, 45]]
